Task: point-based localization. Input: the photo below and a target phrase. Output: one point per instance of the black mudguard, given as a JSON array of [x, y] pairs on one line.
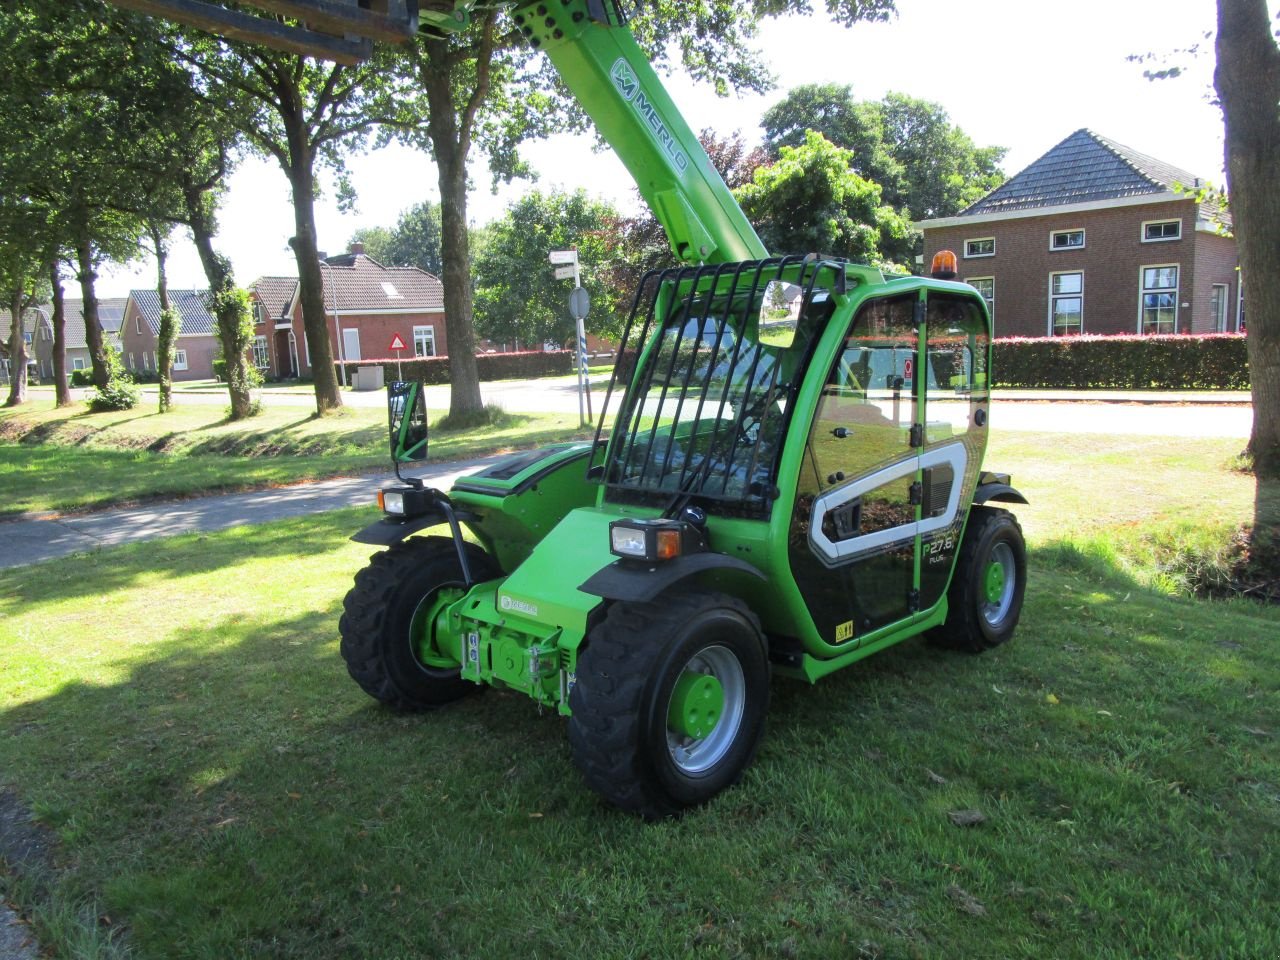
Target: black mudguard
[[997, 491], [390, 530], [640, 582]]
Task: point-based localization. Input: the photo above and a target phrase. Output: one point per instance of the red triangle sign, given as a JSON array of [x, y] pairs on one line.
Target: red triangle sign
[[397, 343]]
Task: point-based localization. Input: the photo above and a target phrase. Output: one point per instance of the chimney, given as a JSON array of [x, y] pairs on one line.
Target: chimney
[[356, 247]]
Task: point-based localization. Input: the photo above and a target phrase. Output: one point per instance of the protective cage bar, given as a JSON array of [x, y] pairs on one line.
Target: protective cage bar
[[337, 30], [695, 420]]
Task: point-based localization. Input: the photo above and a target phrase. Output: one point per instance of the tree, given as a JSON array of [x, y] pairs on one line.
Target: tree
[[301, 113], [812, 201], [926, 166], [1247, 80], [517, 297], [413, 242], [485, 89]]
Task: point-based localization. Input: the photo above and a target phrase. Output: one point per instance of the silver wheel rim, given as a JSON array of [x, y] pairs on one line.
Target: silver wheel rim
[[994, 613], [695, 756]]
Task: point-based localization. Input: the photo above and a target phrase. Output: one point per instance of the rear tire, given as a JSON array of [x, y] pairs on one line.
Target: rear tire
[[669, 703], [386, 612], [984, 601]]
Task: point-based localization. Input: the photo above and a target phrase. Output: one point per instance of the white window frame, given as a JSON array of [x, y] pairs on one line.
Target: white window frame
[[1152, 223], [137, 323], [260, 343], [990, 301], [1065, 296], [1219, 320], [1239, 300], [1144, 290], [976, 256], [77, 363], [179, 359], [427, 334], [1054, 234]]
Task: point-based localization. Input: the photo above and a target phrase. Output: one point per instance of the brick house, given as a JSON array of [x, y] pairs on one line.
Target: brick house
[[1094, 237], [196, 346], [37, 336], [368, 303]]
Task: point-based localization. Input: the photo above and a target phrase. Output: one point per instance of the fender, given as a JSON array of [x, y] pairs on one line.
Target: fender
[[997, 491], [641, 582], [389, 530]]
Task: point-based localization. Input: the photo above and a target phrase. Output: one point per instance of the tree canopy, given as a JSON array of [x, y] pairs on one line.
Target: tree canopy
[[517, 296], [811, 200], [925, 165], [413, 242]]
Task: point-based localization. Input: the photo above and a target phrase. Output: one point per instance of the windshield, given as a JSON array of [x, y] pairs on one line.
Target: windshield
[[707, 413]]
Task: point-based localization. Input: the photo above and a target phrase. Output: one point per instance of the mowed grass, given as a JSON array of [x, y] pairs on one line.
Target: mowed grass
[[178, 715], [70, 459]]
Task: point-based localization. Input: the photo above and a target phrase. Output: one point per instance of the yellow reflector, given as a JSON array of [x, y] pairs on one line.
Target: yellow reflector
[[382, 504]]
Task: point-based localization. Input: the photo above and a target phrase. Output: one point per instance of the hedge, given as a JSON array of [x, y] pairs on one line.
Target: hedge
[[1172, 362], [491, 366]]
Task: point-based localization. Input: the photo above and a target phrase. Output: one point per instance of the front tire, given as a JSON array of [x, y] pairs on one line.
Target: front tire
[[669, 703], [984, 601], [388, 619]]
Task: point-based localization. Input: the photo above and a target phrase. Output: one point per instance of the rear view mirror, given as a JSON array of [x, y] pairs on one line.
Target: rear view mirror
[[407, 418]]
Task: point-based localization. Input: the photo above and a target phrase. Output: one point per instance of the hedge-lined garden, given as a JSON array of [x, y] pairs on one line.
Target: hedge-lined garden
[[524, 364], [1174, 362]]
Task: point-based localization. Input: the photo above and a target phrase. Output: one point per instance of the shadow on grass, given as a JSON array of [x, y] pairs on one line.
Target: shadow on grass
[[233, 789], [174, 559]]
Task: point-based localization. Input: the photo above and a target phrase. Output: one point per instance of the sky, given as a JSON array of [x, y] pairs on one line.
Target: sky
[[1023, 74]]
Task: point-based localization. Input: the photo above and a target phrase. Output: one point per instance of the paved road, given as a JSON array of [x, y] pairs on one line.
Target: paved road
[[30, 541]]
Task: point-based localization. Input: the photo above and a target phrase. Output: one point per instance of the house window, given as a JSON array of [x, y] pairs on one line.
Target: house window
[[179, 359], [1218, 307], [1066, 304], [1153, 231], [424, 341], [77, 363], [983, 247], [1159, 300], [1066, 240], [987, 287], [261, 359], [137, 323]]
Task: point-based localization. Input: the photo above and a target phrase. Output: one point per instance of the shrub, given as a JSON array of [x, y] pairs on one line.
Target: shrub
[[82, 378], [118, 394], [1172, 362]]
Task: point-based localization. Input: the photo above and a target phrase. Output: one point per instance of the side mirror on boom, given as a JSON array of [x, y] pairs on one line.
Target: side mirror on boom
[[407, 419]]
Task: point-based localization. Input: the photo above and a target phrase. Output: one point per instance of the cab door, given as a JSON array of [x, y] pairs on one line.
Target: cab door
[[854, 544]]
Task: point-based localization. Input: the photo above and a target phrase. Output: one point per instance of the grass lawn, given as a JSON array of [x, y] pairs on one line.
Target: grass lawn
[[178, 715], [195, 450]]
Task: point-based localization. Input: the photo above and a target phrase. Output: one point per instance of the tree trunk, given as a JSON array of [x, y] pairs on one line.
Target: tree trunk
[[17, 351], [1247, 79], [169, 322], [92, 325], [62, 394], [310, 281], [449, 145], [235, 330]]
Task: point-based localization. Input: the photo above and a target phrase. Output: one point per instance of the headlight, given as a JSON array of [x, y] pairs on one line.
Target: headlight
[[392, 501], [654, 540], [405, 502]]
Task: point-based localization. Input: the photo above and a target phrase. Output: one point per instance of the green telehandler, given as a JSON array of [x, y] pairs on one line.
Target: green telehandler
[[792, 480]]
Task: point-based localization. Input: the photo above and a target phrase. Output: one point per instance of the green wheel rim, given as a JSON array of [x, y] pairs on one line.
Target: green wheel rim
[[713, 688], [999, 583]]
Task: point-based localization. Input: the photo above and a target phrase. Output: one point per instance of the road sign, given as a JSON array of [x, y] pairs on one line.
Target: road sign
[[397, 343], [579, 303], [563, 256], [565, 273]]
